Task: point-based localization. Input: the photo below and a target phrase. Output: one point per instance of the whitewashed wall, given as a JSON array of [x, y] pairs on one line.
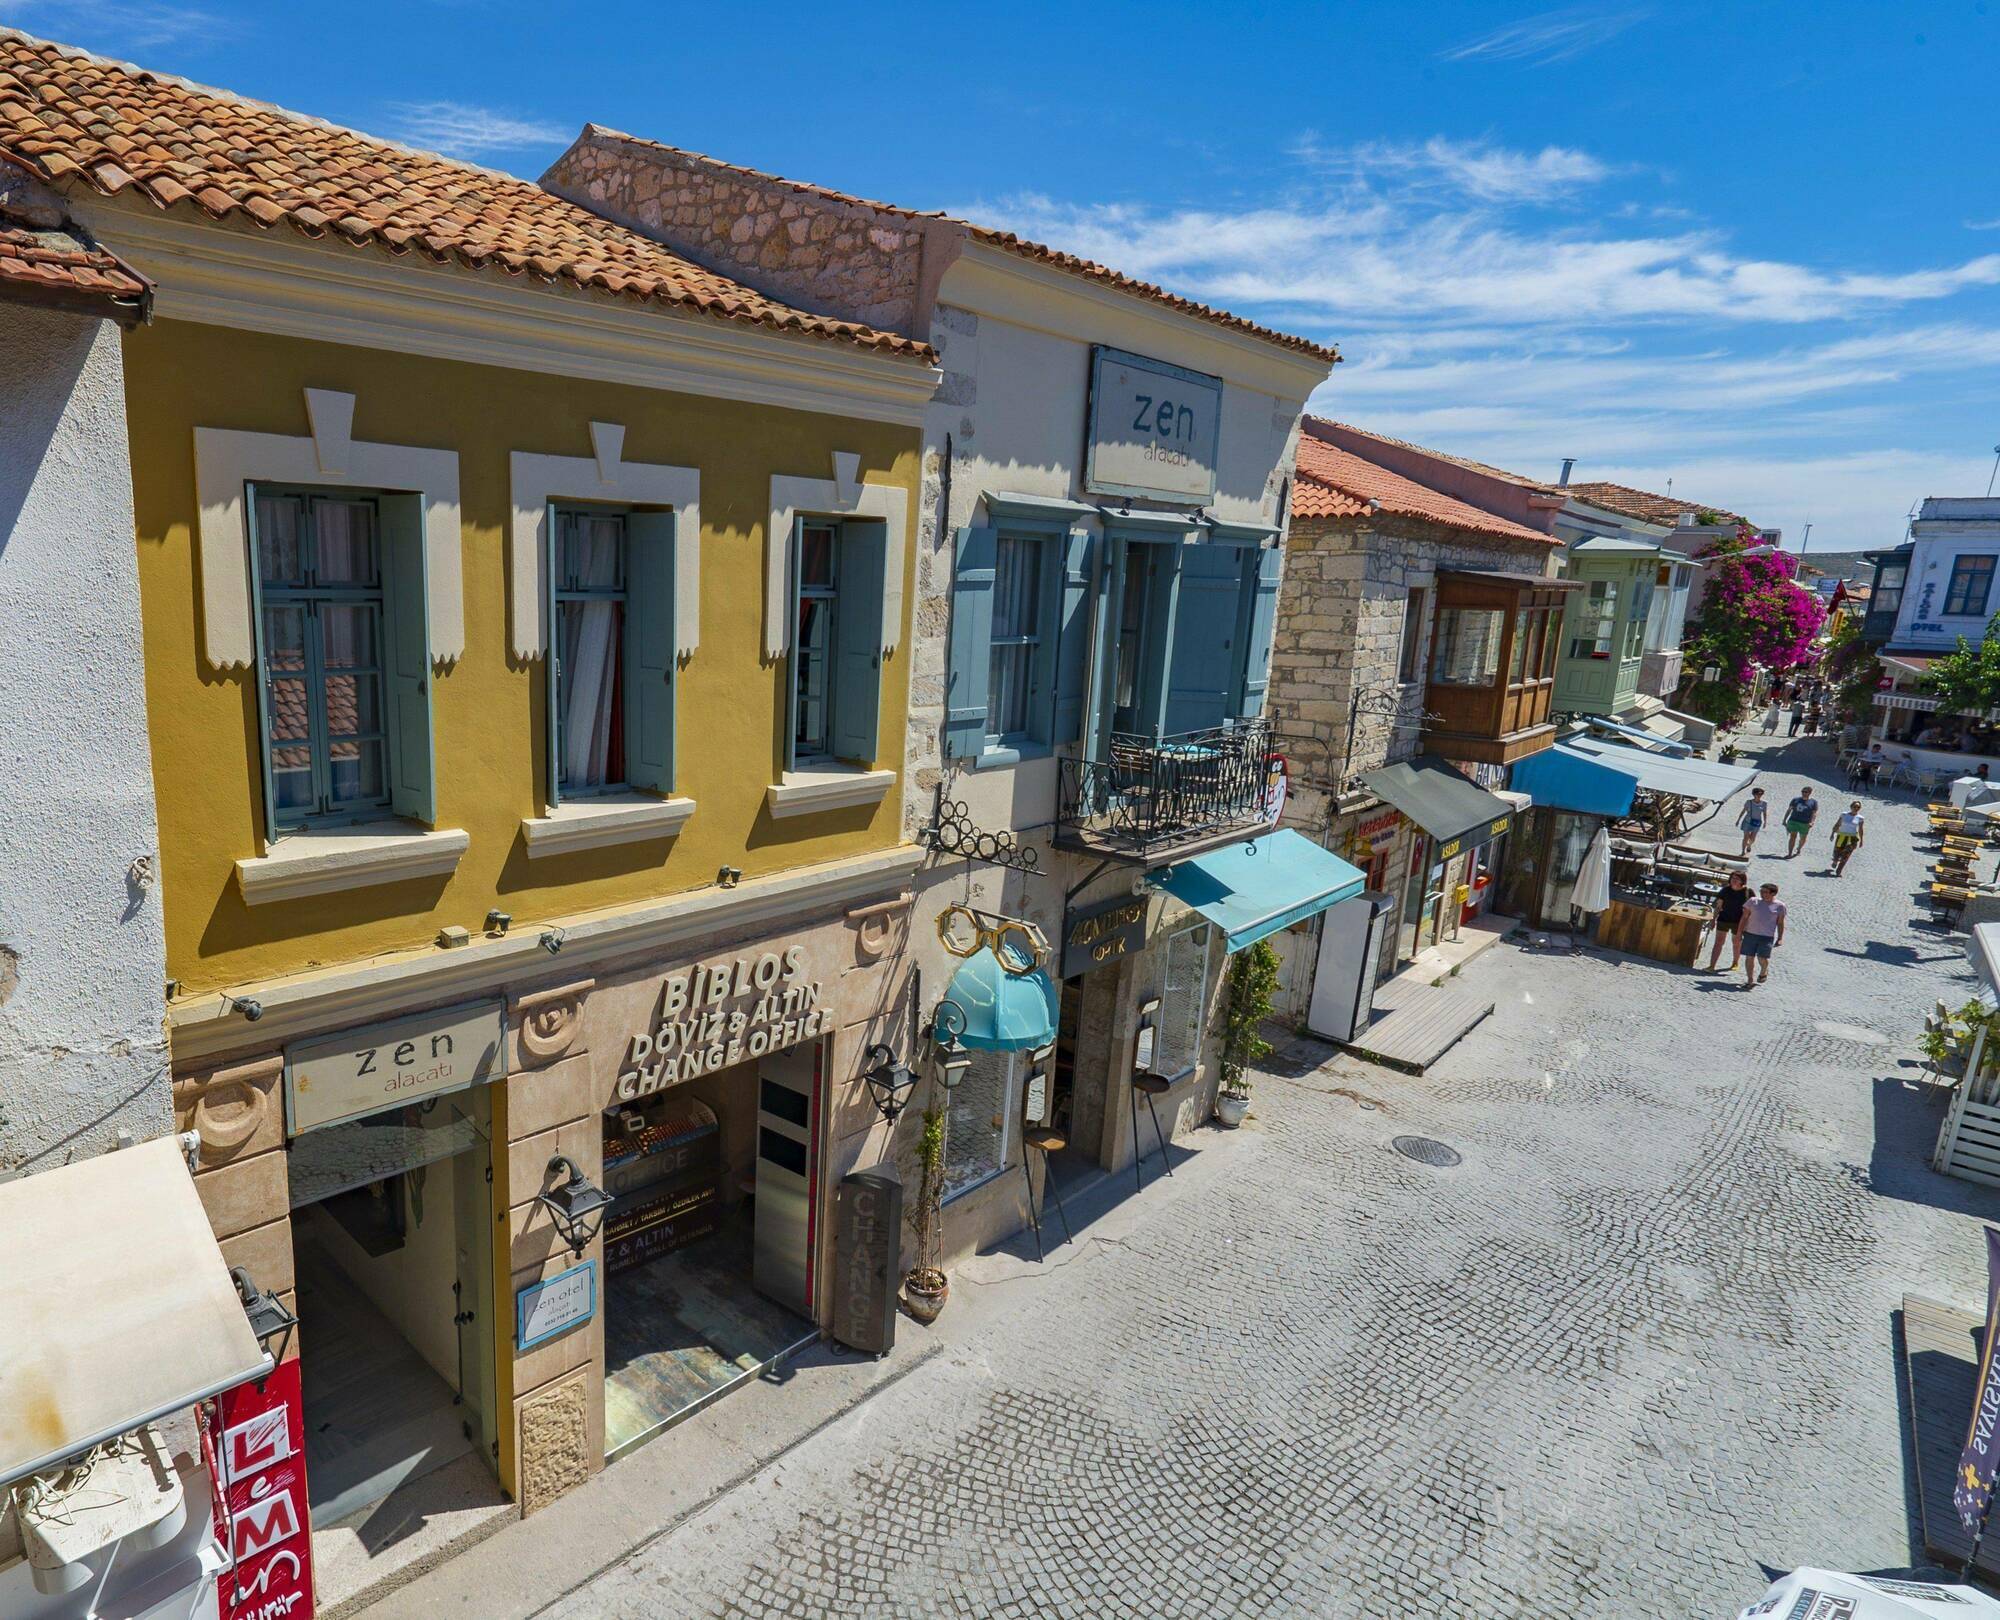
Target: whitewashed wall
[[1944, 531], [83, 1055]]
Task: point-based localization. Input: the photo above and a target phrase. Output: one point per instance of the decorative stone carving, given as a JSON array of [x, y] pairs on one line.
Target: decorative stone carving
[[551, 1022], [234, 1110], [877, 926], [555, 1442]]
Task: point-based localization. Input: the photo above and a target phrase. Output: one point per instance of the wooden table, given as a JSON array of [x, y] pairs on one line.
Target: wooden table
[[1669, 935]]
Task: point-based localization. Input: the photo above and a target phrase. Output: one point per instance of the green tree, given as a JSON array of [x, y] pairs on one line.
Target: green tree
[[1966, 680]]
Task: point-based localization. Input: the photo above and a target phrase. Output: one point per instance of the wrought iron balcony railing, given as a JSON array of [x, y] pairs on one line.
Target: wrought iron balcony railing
[[1148, 798]]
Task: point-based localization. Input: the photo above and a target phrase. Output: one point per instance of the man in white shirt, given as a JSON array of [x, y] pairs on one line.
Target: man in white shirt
[[1763, 930]]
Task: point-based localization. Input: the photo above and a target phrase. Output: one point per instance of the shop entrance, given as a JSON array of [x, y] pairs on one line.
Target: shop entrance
[[709, 1244], [392, 1246]]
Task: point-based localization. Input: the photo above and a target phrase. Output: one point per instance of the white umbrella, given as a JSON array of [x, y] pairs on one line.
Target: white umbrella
[[1593, 878], [1824, 1594]]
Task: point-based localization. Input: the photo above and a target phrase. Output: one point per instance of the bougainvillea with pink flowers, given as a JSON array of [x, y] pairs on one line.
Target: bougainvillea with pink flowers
[[1755, 616]]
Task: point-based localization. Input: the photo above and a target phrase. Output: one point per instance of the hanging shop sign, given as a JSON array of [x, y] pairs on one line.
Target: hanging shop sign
[[1103, 934], [1154, 428], [551, 1307], [1379, 832], [253, 1439], [723, 1012], [362, 1071]]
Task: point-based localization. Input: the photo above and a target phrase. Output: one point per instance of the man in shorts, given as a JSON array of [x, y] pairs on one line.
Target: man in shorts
[[1756, 809], [1800, 815], [1763, 930]]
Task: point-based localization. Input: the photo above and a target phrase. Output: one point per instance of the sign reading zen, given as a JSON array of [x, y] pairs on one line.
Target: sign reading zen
[[360, 1071], [1154, 428]]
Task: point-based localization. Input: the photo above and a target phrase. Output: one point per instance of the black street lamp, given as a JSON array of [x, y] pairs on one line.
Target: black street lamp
[[889, 1082], [575, 1203]]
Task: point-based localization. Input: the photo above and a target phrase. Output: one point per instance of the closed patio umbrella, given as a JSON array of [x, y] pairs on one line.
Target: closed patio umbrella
[[1593, 878]]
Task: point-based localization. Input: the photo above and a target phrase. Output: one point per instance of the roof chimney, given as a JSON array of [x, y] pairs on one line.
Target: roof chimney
[[1569, 466]]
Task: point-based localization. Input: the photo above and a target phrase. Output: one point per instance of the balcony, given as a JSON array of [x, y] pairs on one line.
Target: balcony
[[1660, 673], [1149, 800]]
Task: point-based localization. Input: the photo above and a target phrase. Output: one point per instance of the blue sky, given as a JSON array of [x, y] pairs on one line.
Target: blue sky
[[1751, 249]]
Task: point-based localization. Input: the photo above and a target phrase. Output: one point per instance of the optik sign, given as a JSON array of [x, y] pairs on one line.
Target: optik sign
[[1154, 428]]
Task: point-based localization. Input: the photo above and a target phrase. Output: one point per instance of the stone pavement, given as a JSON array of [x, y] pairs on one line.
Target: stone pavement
[[1636, 1348]]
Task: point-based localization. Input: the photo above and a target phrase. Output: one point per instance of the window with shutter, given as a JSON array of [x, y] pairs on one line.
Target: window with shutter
[[976, 1123], [343, 655], [839, 581]]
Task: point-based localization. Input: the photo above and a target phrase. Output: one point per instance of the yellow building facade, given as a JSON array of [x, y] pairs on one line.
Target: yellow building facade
[[526, 622]]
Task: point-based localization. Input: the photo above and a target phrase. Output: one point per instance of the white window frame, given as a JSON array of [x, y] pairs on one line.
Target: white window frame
[[1199, 1026], [1010, 1082]]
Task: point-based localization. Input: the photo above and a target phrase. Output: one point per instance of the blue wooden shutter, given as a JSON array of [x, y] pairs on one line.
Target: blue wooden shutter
[[405, 593], [1263, 627], [966, 697], [552, 652], [1104, 611], [1072, 634], [649, 651], [1202, 667], [861, 578]]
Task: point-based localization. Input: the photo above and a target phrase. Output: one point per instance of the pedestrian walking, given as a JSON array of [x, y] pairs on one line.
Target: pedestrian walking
[[1729, 919], [1800, 815], [1763, 932], [1798, 716], [1850, 832], [1814, 716], [1771, 719], [1751, 818]]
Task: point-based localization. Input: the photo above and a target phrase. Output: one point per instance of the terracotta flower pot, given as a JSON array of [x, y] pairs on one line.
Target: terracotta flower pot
[[924, 1294], [1230, 1111]]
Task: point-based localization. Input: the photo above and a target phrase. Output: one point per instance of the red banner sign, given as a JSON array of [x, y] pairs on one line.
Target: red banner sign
[[257, 1438]]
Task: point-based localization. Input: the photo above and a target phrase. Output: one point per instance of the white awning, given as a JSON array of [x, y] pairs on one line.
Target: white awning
[[1906, 700], [118, 1307], [1691, 778], [1661, 725]]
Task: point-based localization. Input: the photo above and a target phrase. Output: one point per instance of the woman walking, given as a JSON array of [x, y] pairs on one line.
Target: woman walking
[[1850, 831], [1729, 919], [1770, 725], [1751, 819]]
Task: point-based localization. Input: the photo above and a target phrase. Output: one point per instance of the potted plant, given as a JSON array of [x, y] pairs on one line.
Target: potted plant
[[925, 1286], [1253, 980]]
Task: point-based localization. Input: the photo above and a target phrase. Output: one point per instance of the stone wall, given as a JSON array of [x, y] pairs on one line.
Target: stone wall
[[1340, 634], [815, 250]]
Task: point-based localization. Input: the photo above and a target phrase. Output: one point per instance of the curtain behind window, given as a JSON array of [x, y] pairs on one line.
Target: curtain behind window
[[590, 635]]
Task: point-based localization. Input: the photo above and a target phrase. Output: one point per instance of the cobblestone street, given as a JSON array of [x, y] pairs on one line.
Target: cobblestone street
[[1636, 1345]]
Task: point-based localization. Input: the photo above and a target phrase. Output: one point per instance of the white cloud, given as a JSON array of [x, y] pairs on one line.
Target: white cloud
[[1339, 259], [465, 131], [1479, 169], [121, 27], [1549, 36], [1981, 224]]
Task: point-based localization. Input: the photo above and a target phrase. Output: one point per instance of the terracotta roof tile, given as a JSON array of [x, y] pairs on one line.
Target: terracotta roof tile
[[1000, 239], [1439, 455], [67, 115], [1333, 482], [60, 264], [1643, 505]]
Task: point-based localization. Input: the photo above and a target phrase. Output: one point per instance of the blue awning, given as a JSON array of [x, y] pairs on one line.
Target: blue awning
[[1560, 778], [1003, 1012], [1252, 889]]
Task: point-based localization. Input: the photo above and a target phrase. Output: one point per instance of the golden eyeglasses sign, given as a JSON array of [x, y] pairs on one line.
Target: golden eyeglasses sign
[[1019, 946]]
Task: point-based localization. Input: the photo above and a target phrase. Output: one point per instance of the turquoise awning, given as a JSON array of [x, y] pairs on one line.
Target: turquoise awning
[[1253, 889], [1003, 1012]]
